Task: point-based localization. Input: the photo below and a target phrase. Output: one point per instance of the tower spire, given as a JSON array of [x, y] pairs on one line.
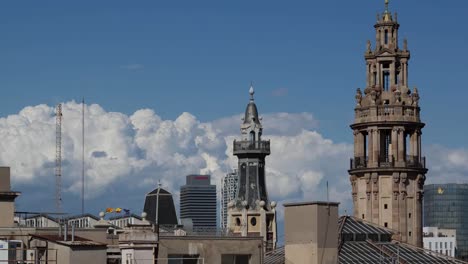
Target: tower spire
[[386, 6], [251, 92]]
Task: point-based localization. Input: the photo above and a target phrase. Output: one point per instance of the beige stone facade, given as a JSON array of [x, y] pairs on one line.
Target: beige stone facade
[[388, 171]]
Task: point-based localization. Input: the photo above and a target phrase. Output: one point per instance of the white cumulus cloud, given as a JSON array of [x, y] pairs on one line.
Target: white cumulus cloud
[[133, 152]]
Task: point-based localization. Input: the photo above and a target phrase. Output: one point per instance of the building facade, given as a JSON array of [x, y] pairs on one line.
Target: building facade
[[198, 201], [445, 207], [251, 213], [228, 193], [442, 241], [388, 170]]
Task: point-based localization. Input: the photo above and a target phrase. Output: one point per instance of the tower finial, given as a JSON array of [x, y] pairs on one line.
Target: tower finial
[[251, 91], [386, 6]]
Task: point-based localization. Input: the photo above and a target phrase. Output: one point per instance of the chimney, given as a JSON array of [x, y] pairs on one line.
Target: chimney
[[7, 199], [311, 233]]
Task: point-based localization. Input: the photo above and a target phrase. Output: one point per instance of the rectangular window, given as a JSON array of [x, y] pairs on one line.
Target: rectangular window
[[362, 216], [235, 259], [409, 234], [386, 80], [385, 206], [182, 259], [409, 215], [445, 244], [386, 224], [386, 37]]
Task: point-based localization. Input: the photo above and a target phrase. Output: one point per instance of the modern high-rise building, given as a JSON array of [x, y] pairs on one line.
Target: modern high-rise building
[[251, 213], [446, 207], [388, 170], [198, 201], [228, 193]]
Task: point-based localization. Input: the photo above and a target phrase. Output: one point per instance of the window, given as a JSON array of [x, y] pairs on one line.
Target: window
[[253, 221], [362, 216], [386, 224], [182, 259], [385, 206], [409, 215], [386, 37], [445, 244], [451, 245], [409, 234], [386, 80], [430, 245], [235, 259]]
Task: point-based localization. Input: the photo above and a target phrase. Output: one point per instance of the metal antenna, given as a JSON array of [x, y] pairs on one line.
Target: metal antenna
[[58, 158], [82, 156]]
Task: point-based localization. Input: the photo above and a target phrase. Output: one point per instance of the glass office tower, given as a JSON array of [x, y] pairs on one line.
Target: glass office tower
[[446, 206]]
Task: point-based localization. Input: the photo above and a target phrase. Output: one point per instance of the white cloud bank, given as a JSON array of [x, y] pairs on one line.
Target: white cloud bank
[[138, 150], [142, 148]]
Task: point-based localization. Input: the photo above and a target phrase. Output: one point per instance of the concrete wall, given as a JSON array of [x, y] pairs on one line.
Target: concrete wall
[[311, 233], [211, 248]]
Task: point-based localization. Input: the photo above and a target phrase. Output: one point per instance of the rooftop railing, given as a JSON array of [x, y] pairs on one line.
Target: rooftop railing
[[262, 146], [387, 112], [387, 161]]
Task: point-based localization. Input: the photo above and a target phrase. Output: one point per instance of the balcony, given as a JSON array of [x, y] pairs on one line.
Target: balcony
[[388, 162], [387, 113], [415, 162], [246, 146]]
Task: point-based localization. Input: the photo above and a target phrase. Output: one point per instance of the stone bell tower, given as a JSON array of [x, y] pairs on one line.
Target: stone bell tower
[[388, 171], [250, 213]]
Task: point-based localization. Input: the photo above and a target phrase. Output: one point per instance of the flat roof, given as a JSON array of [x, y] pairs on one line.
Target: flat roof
[[310, 203]]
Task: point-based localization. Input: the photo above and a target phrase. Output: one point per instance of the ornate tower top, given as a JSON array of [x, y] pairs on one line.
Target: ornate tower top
[[251, 213], [388, 170]]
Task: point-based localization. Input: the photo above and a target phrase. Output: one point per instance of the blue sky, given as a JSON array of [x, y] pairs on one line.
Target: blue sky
[[200, 57]]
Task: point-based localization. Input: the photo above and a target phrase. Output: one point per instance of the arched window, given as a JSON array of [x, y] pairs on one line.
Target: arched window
[[252, 136], [386, 37]]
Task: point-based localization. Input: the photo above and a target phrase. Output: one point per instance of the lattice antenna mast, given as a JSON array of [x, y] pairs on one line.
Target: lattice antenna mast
[[58, 158]]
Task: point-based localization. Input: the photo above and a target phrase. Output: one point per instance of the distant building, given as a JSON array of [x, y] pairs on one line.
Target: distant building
[[228, 193], [41, 220], [159, 204], [445, 207], [123, 221], [198, 201], [82, 221], [442, 241]]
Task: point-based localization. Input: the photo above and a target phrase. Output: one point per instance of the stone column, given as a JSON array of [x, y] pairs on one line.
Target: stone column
[[370, 148], [395, 144], [392, 75], [419, 152], [356, 143], [405, 73], [376, 145], [401, 145]]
